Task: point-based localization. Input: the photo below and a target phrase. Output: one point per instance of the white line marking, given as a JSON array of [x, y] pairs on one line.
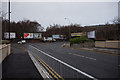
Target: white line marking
[[66, 64], [82, 56], [78, 55], [90, 58]]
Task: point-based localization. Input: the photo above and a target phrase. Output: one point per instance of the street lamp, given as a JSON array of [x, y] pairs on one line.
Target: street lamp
[[69, 27], [5, 21], [9, 18]]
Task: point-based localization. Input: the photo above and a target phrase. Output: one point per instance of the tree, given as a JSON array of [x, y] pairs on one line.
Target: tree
[[21, 27], [63, 30], [116, 20]]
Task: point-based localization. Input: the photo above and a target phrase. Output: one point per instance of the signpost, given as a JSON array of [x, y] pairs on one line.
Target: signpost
[[37, 35], [28, 35], [56, 36], [11, 36], [91, 34]]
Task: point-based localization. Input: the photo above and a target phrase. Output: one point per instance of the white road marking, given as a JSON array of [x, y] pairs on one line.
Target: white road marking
[[90, 58], [79, 55], [66, 64], [82, 56]]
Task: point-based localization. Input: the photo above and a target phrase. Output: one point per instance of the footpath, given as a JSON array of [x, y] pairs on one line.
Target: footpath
[[104, 50], [95, 49], [19, 66]]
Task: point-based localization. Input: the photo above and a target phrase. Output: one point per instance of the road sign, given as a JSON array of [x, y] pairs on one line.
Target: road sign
[[12, 35], [91, 34], [37, 35], [28, 35]]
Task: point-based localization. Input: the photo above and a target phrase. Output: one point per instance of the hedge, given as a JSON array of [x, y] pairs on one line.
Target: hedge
[[79, 40]]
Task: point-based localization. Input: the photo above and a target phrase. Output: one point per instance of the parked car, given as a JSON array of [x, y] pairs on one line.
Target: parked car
[[21, 42]]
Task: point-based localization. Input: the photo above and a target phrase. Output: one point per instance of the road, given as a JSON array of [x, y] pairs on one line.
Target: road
[[70, 63]]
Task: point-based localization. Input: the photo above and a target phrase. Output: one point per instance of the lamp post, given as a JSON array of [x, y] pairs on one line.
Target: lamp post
[[4, 19], [9, 18], [69, 27]]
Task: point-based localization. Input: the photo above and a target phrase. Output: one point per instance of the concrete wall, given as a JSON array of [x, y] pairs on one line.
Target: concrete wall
[[108, 44], [77, 45], [5, 50], [0, 43], [100, 44], [86, 45]]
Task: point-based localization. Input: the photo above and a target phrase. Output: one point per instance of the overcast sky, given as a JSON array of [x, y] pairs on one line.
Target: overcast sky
[[46, 13]]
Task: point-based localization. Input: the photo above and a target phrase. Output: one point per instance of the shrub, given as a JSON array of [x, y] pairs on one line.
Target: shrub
[[79, 40]]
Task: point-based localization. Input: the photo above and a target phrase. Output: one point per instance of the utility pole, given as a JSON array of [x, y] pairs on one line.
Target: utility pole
[[9, 18]]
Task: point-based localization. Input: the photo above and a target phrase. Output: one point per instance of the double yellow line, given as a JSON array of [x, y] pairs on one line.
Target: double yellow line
[[51, 71]]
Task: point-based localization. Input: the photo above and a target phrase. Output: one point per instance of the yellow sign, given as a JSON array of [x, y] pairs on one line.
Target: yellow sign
[[79, 34]]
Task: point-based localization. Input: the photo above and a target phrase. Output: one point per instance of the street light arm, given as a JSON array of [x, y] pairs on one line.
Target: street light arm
[[68, 20]]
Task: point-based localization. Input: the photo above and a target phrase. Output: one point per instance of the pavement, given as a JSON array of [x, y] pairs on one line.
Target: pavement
[[19, 66], [103, 50], [96, 49], [71, 63]]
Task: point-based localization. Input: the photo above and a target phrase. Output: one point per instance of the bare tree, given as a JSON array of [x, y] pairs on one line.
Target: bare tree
[[116, 20], [21, 27]]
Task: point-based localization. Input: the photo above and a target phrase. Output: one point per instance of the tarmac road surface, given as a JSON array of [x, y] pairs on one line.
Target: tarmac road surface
[[70, 63]]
